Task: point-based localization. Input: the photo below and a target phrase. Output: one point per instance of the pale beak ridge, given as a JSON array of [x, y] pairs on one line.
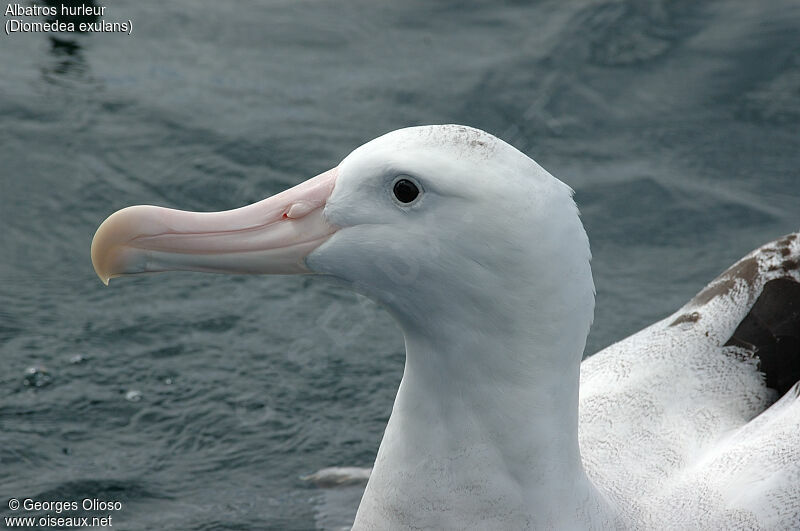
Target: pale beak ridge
[[273, 236]]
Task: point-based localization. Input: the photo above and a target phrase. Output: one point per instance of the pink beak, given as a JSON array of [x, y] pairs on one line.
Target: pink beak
[[272, 236]]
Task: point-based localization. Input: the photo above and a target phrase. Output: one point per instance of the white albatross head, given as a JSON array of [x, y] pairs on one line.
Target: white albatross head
[[478, 228]]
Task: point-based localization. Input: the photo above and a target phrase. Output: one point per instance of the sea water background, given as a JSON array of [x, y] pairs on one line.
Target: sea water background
[[198, 401]]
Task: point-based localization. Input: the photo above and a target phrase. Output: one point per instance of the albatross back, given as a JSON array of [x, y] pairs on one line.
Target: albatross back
[[679, 423]]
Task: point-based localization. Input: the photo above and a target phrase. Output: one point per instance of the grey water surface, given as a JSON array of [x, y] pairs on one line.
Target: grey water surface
[[198, 401]]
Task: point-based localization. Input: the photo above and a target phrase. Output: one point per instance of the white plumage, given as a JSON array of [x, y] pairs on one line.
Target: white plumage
[[487, 272], [673, 424]]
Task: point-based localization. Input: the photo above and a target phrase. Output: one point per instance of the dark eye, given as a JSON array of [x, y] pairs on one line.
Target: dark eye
[[405, 191]]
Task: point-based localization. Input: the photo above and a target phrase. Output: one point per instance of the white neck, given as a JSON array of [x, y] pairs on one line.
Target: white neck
[[484, 429], [474, 440]]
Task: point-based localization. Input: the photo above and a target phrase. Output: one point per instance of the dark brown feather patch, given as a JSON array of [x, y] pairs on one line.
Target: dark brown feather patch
[[772, 332]]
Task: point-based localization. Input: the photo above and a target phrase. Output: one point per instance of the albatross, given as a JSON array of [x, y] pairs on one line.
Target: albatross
[[480, 256]]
